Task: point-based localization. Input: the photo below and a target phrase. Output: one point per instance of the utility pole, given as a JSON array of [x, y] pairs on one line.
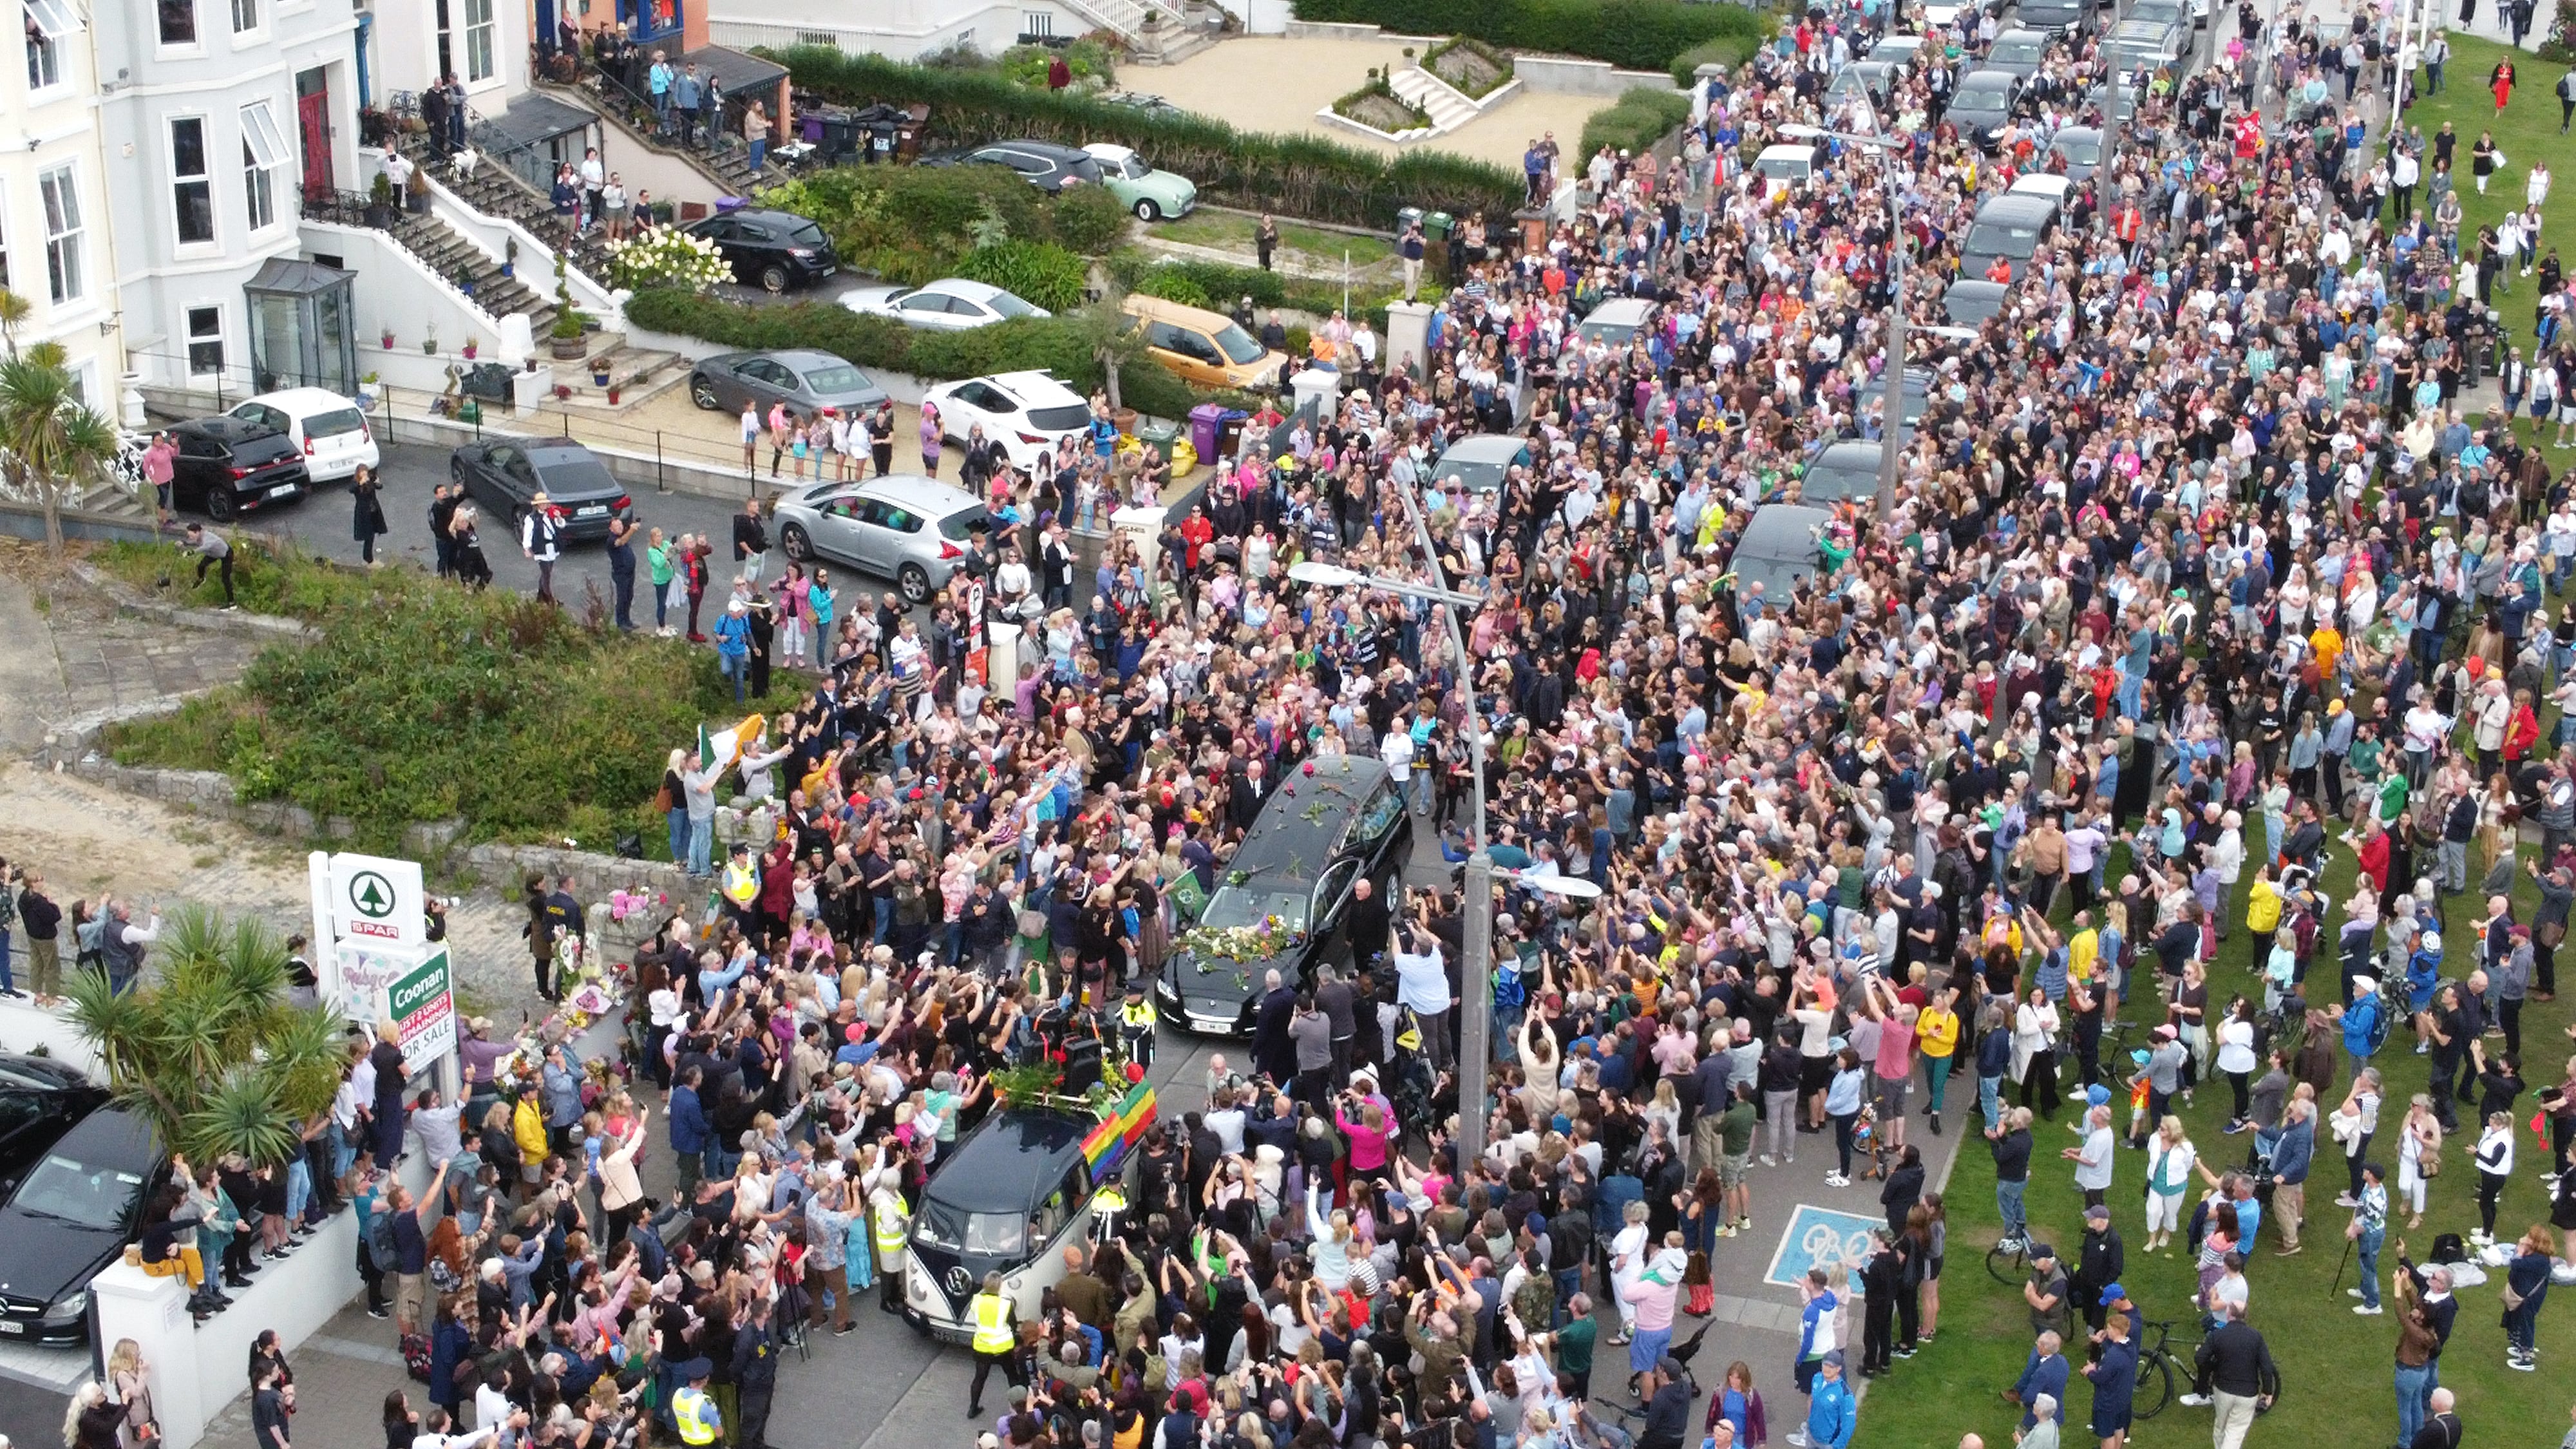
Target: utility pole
[[1892, 394]]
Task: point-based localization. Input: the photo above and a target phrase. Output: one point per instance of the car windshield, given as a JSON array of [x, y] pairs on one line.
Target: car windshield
[[567, 473], [1131, 168], [1234, 905], [335, 422], [2082, 153], [960, 526], [1237, 345], [1063, 417], [1988, 238], [1982, 100], [66, 1188], [836, 377], [2018, 52], [1008, 305], [992, 1235], [807, 234]]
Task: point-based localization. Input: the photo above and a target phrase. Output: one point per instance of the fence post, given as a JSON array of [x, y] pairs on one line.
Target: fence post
[[661, 469]]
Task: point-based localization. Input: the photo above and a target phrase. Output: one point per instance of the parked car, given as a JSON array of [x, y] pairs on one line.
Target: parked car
[[1790, 165], [2017, 52], [228, 466], [1903, 52], [2078, 149], [2058, 19], [40, 1099], [1200, 346], [329, 428], [1614, 321], [1778, 550], [950, 305], [1983, 102], [2010, 226], [1149, 193], [905, 527], [2134, 46], [1046, 165], [1319, 835], [1873, 78], [1027, 411], [1481, 462], [503, 474], [772, 250], [806, 380], [1971, 300], [69, 1217], [1842, 472]]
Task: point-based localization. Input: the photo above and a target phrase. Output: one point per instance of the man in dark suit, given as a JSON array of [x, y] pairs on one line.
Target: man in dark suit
[[1274, 1055]]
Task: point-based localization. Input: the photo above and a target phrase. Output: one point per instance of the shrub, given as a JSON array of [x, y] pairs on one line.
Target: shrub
[[1469, 66], [1300, 176], [1637, 34], [419, 700], [1377, 105], [1727, 50], [665, 256], [1040, 273], [1173, 285], [1641, 118], [1087, 220], [1087, 58]]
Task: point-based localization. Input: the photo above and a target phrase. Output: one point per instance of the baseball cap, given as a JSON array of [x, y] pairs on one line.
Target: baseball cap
[[2113, 1293], [2042, 1250], [1833, 1358]]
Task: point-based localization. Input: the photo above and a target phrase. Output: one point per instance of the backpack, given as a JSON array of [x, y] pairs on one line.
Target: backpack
[[380, 1237], [415, 1356], [2447, 1248]]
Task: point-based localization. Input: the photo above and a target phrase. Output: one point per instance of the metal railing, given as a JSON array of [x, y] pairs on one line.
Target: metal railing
[[348, 208], [635, 109]]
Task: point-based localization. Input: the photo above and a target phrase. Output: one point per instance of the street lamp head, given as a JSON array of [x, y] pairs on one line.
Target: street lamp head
[[1323, 575]]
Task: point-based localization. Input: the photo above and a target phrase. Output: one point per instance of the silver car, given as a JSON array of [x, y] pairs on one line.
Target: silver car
[[950, 305], [917, 531], [807, 381]]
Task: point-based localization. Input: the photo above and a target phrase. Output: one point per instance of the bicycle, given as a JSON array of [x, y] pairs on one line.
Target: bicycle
[[2159, 1363], [2009, 1261]]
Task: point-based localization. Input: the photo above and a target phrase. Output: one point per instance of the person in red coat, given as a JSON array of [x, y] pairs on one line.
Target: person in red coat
[[777, 886], [2373, 851]]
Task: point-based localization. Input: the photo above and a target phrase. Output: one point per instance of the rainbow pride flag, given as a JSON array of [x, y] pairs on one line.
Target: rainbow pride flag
[[1120, 1130]]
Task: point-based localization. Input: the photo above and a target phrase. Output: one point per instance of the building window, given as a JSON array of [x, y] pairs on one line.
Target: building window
[[48, 22], [482, 41], [205, 341], [192, 191], [65, 267], [178, 22], [263, 153], [245, 16], [1037, 22]]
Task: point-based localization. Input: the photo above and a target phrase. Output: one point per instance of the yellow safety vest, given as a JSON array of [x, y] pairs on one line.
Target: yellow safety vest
[[992, 1315], [696, 1414], [741, 883], [890, 1229], [1140, 1014]]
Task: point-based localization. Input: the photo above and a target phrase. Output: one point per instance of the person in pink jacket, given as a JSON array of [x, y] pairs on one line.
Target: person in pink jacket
[[1652, 1294]]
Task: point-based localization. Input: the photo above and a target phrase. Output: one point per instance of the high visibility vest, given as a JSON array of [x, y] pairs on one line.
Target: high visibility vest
[[741, 883], [992, 1316], [696, 1414], [890, 1228], [1137, 1014]]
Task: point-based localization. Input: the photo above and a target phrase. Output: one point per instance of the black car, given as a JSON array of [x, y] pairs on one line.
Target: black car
[[2058, 19], [1983, 102], [1043, 164], [40, 1099], [228, 466], [1318, 836], [505, 474], [773, 250], [70, 1216]]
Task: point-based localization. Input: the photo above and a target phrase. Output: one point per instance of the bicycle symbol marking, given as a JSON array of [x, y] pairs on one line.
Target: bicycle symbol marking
[[1824, 1245]]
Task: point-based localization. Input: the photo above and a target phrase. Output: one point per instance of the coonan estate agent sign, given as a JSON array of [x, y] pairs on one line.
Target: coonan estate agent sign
[[422, 1003]]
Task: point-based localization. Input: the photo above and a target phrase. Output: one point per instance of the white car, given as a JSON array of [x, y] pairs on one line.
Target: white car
[[950, 305], [327, 428], [1027, 411]]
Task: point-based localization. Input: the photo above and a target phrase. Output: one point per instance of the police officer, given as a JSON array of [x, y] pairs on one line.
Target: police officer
[[755, 1375], [885, 1214], [1136, 1025], [997, 1342], [692, 1410]]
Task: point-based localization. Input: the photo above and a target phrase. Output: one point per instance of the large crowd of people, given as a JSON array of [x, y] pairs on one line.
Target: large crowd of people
[[2199, 530]]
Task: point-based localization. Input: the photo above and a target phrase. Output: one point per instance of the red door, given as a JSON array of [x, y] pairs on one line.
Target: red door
[[313, 121]]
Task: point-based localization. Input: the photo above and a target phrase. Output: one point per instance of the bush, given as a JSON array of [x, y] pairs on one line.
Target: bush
[[1642, 117], [1727, 50], [1458, 48], [1051, 344], [420, 700], [1026, 65], [1636, 34], [1299, 176], [1040, 273], [1173, 285], [1087, 220]]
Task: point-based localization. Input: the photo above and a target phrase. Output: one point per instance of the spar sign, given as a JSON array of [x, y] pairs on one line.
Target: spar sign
[[378, 900], [422, 1004]]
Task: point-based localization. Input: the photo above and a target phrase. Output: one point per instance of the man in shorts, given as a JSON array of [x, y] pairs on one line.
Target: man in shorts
[[1734, 1159]]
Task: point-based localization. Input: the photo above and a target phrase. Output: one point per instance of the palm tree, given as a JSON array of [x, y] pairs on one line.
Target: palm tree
[[209, 1052], [52, 439], [14, 312]]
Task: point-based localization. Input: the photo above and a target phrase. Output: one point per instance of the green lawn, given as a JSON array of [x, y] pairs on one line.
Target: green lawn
[[1233, 232], [2335, 1365]]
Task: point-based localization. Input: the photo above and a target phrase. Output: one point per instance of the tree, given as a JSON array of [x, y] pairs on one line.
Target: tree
[[210, 1053], [1112, 340], [14, 312], [53, 441]]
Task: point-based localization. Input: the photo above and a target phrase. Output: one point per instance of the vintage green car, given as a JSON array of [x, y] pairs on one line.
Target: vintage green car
[[1151, 194]]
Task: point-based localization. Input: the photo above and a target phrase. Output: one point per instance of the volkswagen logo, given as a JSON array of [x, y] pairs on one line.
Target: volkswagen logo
[[958, 1282]]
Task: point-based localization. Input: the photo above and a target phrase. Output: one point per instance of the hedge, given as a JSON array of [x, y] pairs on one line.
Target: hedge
[[1635, 34], [914, 225], [1730, 51], [1299, 176], [1186, 280], [1048, 344], [1641, 118]]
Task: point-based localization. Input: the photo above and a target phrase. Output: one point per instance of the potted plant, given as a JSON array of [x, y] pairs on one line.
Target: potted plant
[[566, 339], [429, 344], [367, 391], [613, 390], [563, 392], [389, 339], [599, 370], [380, 202]]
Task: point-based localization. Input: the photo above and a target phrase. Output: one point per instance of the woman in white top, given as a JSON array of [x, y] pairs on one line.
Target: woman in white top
[[2495, 1167], [2236, 1059], [2419, 1140], [2034, 1031], [2170, 1160], [1627, 1265]]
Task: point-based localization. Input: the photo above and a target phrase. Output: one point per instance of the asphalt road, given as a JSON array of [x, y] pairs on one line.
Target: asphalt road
[[30, 1415], [320, 525]]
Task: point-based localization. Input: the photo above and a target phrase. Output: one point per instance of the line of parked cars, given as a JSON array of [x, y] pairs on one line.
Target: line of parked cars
[[73, 1175], [271, 449]]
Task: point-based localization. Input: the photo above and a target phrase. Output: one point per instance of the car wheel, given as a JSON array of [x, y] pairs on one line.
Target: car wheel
[[1146, 210], [222, 504], [799, 548], [702, 391], [773, 278], [914, 583]]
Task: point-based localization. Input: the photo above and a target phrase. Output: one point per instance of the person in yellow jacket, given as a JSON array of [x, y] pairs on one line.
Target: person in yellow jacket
[[693, 1409], [996, 1343], [528, 1130], [888, 1228], [2262, 913], [1936, 1036]]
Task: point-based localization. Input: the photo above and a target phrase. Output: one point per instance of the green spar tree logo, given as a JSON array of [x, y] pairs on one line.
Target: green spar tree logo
[[372, 895]]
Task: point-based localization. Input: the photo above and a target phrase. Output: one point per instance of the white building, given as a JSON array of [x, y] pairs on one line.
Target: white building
[[907, 29], [483, 43], [216, 117], [53, 220]]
